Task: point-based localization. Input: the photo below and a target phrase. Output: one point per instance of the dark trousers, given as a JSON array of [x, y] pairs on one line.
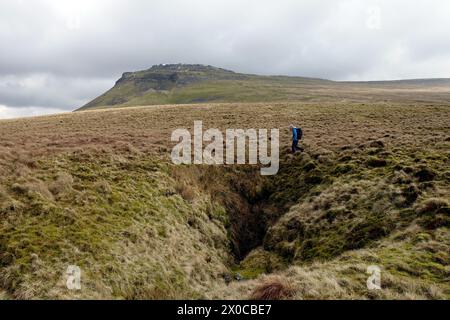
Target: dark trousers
[[295, 146]]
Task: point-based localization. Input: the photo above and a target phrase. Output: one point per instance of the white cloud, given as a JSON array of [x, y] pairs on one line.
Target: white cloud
[[11, 112], [48, 90], [82, 46]]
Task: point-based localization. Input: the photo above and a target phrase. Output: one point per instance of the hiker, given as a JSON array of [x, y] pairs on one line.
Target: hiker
[[297, 134]]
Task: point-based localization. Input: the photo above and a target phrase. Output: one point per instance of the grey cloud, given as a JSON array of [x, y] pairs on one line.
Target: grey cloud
[[11, 112], [83, 46], [47, 90]]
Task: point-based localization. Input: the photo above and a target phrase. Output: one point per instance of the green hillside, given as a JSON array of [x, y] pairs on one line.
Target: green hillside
[[182, 83], [186, 83]]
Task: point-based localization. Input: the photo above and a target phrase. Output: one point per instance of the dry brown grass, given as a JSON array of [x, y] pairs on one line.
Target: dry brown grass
[[273, 288], [97, 187], [431, 206]]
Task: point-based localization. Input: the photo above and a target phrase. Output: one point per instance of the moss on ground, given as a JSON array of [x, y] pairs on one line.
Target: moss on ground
[[113, 221], [97, 190]]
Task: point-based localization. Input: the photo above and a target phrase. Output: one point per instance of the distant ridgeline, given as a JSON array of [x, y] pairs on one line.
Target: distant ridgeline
[[169, 76], [196, 83], [157, 85]]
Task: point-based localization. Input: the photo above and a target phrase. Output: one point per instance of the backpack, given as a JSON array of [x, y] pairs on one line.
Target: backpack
[[299, 133]]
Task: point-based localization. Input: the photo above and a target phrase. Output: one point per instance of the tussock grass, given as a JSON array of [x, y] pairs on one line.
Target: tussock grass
[[97, 189], [274, 288]]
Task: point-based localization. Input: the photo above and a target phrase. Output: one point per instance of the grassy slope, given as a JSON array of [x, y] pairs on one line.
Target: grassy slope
[[254, 89], [216, 85], [97, 189]]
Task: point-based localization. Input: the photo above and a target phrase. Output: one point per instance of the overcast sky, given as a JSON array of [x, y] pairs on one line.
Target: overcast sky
[[56, 55]]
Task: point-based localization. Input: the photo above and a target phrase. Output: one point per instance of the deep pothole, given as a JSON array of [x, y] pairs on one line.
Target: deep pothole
[[249, 233], [252, 202], [252, 214]]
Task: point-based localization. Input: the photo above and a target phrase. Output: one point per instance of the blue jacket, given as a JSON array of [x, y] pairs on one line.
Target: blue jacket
[[294, 134]]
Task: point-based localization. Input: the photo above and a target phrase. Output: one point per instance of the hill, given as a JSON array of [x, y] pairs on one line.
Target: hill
[[185, 83], [97, 189]]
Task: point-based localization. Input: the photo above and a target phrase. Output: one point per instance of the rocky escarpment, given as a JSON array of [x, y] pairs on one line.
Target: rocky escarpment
[[160, 79], [166, 84]]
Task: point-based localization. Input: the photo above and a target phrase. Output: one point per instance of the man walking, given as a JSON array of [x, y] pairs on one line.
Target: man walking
[[297, 134]]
